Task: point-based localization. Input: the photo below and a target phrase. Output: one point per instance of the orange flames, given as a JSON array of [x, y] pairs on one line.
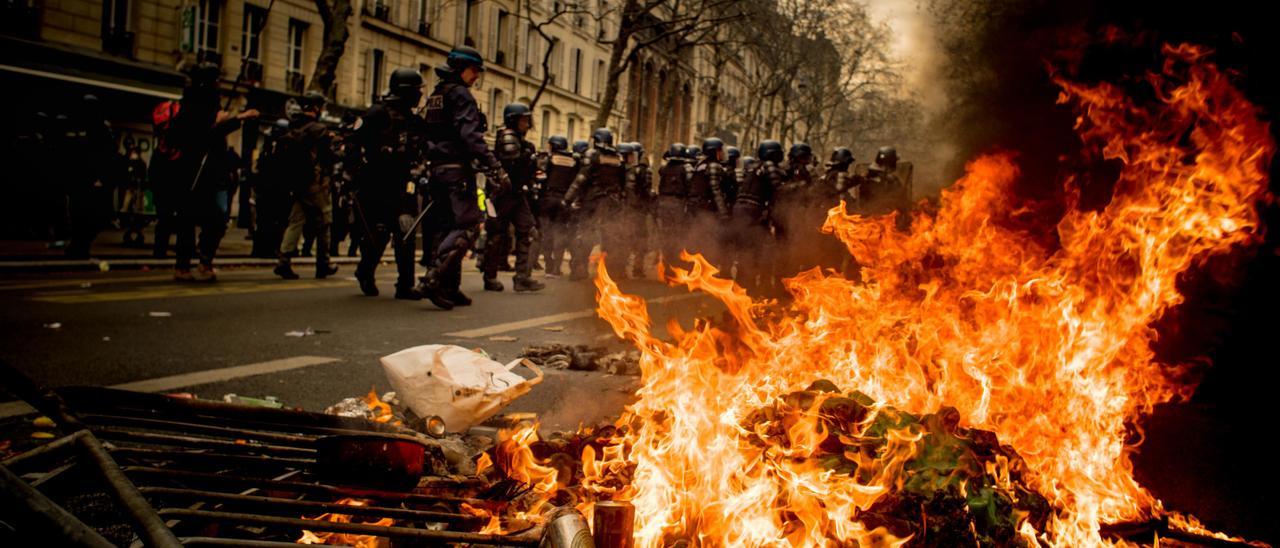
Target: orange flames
[[381, 410], [1048, 347], [343, 539]]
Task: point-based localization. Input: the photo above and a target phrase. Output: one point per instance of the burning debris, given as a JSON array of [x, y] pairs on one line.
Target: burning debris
[[583, 358]]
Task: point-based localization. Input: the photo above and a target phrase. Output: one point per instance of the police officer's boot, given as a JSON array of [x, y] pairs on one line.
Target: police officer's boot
[[491, 282], [454, 293], [285, 268], [430, 288], [367, 285], [325, 269], [525, 283]]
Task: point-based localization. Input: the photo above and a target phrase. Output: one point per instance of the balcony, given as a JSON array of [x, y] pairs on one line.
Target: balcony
[[424, 28], [118, 42], [250, 71], [295, 82]]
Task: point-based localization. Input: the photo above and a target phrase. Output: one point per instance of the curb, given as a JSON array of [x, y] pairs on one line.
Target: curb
[[124, 263]]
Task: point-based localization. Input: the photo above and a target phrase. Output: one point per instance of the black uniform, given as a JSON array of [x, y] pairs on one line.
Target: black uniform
[[555, 222], [673, 192], [384, 154], [511, 208], [90, 167], [308, 156], [455, 149], [599, 189], [643, 201], [707, 208], [751, 222]]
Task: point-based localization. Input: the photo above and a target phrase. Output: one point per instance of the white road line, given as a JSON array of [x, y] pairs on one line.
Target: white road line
[[552, 318], [13, 408]]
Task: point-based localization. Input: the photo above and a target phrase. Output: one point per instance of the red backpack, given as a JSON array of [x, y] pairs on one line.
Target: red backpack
[[162, 118]]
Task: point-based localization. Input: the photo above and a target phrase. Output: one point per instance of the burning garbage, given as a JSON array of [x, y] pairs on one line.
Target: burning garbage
[[581, 357]]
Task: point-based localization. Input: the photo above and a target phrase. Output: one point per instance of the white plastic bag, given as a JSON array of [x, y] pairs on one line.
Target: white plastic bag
[[461, 386]]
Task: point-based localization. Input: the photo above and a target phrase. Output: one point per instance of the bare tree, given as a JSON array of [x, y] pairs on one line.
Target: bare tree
[[645, 24], [334, 14]]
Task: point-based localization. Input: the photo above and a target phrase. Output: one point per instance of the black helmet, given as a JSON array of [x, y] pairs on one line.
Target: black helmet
[[749, 163], [311, 99], [406, 83], [887, 157], [770, 151], [602, 137], [676, 151], [801, 152], [841, 156], [580, 146], [733, 155], [512, 113], [712, 147], [280, 127], [625, 148], [558, 143], [462, 57], [691, 152], [639, 148]]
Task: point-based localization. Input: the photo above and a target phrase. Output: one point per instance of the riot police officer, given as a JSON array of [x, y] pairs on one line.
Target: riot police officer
[[793, 216], [306, 153], [560, 167], [733, 175], [799, 159], [597, 193], [384, 157], [886, 187], [642, 196], [673, 192], [456, 150], [751, 214], [837, 185], [580, 148], [708, 209], [511, 208]]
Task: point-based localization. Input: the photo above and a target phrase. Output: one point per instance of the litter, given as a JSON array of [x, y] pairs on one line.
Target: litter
[[305, 333], [504, 338], [460, 386], [160, 314]]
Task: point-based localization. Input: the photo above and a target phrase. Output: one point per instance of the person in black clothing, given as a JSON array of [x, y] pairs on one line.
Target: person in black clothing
[[306, 154], [92, 168], [640, 204], [456, 150], [597, 194], [384, 154], [708, 209], [511, 208], [199, 174], [673, 190], [560, 167], [133, 202], [751, 215]]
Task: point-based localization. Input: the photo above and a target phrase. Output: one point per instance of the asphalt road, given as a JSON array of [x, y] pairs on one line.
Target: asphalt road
[[127, 327]]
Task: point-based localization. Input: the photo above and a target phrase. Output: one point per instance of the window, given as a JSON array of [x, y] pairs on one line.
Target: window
[[504, 29], [116, 38], [555, 59], [294, 77], [572, 126], [377, 62], [532, 60], [495, 108], [251, 33], [208, 24], [471, 22], [575, 72], [546, 124], [423, 24], [598, 83]]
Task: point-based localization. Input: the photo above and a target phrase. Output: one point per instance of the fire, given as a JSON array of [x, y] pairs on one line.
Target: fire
[[1046, 345], [381, 410], [343, 539]]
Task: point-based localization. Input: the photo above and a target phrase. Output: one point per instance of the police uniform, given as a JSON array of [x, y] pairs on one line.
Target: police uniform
[[599, 189], [554, 221], [751, 222], [387, 146], [511, 208], [673, 192]]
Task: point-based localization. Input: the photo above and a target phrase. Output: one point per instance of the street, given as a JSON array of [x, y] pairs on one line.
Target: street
[[143, 331]]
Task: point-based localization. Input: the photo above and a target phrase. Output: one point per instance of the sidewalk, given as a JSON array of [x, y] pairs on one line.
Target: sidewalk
[[109, 252]]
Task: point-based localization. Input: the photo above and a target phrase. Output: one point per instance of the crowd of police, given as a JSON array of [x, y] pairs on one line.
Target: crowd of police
[[415, 165]]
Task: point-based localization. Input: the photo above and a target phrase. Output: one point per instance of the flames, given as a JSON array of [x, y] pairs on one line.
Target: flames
[[1046, 344], [343, 539], [379, 410]]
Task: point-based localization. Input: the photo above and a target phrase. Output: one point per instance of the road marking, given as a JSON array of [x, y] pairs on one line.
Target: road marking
[[552, 318], [83, 296], [197, 378]]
